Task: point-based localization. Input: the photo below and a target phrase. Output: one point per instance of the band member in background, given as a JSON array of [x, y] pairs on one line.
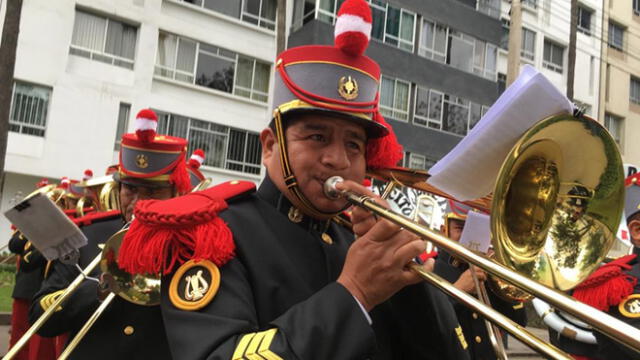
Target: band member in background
[[268, 274], [460, 274], [151, 167]]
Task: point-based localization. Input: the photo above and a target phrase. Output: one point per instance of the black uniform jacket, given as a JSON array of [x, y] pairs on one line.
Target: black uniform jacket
[[31, 267], [473, 324], [279, 299], [610, 349], [123, 331]]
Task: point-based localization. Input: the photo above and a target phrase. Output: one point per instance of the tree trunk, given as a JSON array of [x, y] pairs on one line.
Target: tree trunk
[[8, 46], [571, 66]]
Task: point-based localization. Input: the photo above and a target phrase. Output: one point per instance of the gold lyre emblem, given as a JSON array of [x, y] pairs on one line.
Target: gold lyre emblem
[[196, 287], [142, 161], [348, 88], [630, 307]]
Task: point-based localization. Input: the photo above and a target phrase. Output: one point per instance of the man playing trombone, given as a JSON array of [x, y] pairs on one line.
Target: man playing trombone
[[151, 167], [268, 274]]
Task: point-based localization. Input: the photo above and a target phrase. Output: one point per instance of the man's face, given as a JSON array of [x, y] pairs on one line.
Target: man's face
[[319, 147], [455, 229], [130, 194]]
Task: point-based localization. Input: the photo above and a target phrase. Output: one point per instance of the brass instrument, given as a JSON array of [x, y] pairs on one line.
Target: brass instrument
[[101, 193], [559, 196]]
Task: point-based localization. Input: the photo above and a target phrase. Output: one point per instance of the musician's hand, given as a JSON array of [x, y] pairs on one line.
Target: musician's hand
[[465, 281], [376, 264]]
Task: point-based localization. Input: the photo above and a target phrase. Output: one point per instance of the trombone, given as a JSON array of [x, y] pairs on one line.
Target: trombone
[[544, 190]]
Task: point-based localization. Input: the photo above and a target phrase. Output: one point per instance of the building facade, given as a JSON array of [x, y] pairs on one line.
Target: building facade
[[438, 60], [620, 79], [84, 68]]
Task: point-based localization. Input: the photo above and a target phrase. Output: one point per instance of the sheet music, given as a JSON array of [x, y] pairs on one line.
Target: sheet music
[[469, 171], [476, 234], [46, 226]]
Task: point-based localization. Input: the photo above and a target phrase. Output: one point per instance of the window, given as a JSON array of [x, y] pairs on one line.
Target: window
[[102, 39], [213, 67], [528, 51], [553, 56], [489, 7], [634, 90], [531, 4], [394, 98], [614, 125], [584, 20], [583, 107], [502, 83], [636, 7], [616, 36], [393, 26], [258, 12], [224, 147], [416, 161], [123, 123], [29, 108], [437, 110], [464, 52]]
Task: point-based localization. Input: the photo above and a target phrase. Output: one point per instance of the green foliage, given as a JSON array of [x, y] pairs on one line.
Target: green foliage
[[7, 281]]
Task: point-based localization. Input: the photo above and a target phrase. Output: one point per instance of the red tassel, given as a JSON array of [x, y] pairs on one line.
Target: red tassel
[[384, 152], [157, 242], [608, 285], [180, 177]]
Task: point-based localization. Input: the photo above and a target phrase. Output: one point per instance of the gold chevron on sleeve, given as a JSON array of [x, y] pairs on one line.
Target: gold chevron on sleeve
[[48, 300], [255, 346]]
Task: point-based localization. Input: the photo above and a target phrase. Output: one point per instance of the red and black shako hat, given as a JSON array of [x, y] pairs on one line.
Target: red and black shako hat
[[337, 81], [193, 167], [152, 160]]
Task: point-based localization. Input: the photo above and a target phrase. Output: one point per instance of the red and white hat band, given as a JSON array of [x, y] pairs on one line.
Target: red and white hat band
[[352, 23]]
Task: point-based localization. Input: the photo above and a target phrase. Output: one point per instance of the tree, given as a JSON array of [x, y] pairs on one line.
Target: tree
[[8, 46]]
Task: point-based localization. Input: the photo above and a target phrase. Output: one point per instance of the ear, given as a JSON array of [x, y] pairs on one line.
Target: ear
[[634, 231], [269, 144]]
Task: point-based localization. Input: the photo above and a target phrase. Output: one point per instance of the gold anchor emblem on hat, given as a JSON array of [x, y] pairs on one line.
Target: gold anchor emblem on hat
[[348, 88], [141, 161], [196, 287]]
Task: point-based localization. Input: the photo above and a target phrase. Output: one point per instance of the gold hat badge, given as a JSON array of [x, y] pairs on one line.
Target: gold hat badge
[[348, 88]]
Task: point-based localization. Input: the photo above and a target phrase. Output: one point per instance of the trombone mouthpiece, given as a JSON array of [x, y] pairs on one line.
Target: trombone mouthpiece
[[330, 187]]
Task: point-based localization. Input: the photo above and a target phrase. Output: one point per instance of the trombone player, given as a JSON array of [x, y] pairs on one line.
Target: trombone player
[[460, 275], [268, 274], [150, 168]]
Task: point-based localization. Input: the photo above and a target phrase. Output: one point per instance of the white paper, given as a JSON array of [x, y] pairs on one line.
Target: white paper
[[476, 234], [46, 226], [469, 171]]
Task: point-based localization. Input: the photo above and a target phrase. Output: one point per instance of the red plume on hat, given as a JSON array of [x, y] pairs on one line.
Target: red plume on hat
[[196, 159], [146, 124], [88, 174], [384, 152], [353, 27], [65, 182]]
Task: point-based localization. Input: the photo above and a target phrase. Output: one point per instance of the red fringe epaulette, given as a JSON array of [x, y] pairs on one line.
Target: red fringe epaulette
[[95, 217], [167, 233], [608, 285]]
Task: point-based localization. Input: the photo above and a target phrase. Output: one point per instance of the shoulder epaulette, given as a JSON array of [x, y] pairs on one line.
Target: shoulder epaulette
[[96, 217], [608, 285], [167, 233]]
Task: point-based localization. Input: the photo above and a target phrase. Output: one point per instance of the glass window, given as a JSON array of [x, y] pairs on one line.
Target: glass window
[[257, 12], [417, 161], [101, 39], [217, 68], [421, 111], [528, 51], [461, 51], [489, 7], [616, 36], [475, 114], [636, 7], [224, 147], [394, 98], [532, 4], [455, 115], [584, 20], [614, 125], [123, 123], [29, 108], [428, 108], [553, 56], [634, 90]]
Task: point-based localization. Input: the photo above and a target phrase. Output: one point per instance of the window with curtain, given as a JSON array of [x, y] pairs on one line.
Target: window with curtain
[[455, 115], [553, 56], [224, 147], [440, 111], [217, 68], [261, 13], [614, 125], [394, 98], [528, 51], [616, 36], [461, 49], [29, 109], [634, 90], [103, 39], [123, 122]]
